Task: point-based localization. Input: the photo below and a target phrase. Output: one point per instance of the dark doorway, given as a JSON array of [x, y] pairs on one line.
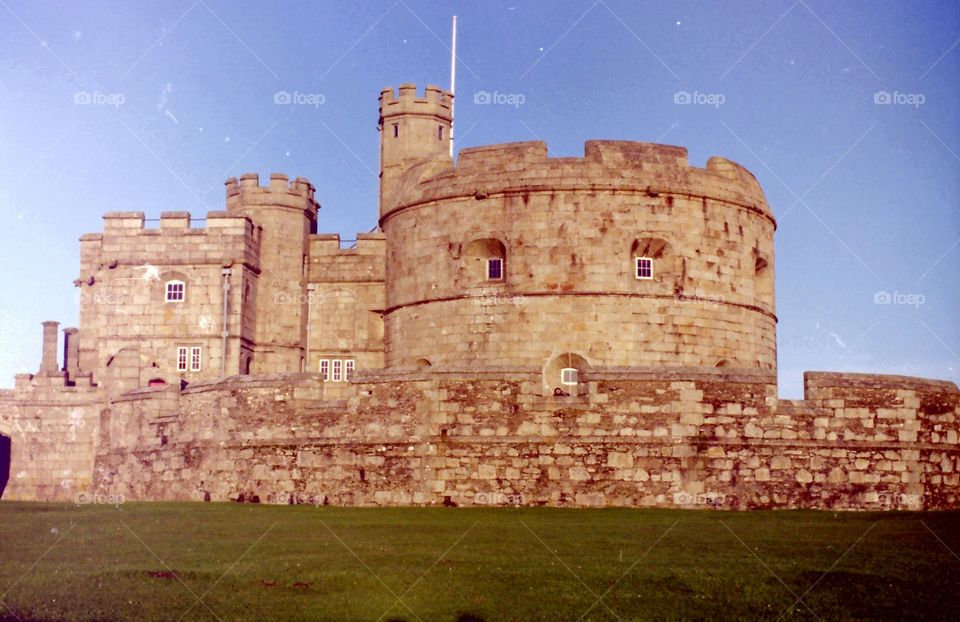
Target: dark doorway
[[4, 462]]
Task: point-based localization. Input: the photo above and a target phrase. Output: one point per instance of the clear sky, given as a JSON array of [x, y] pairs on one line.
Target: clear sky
[[846, 112]]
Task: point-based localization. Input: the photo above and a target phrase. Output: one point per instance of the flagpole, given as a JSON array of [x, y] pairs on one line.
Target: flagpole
[[453, 79]]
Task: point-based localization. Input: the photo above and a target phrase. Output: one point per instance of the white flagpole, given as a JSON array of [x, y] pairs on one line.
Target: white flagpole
[[453, 79]]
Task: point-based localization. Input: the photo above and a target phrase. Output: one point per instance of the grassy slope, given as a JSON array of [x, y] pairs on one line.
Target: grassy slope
[[306, 563]]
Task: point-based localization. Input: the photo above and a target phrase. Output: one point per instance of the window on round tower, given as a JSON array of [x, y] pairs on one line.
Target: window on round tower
[[653, 264], [482, 261]]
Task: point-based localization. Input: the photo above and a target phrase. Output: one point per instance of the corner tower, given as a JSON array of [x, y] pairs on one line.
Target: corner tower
[[274, 298], [412, 129]]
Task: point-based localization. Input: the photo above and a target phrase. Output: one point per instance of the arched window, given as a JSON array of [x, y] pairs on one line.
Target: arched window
[[763, 277], [484, 260], [176, 291], [563, 374], [652, 260]]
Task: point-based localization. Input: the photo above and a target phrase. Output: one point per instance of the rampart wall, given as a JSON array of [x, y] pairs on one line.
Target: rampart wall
[[634, 437]]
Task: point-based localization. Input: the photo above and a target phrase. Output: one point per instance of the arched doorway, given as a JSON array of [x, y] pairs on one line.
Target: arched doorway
[[4, 462]]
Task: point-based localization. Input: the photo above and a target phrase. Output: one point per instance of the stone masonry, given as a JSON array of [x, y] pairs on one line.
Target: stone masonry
[[517, 330]]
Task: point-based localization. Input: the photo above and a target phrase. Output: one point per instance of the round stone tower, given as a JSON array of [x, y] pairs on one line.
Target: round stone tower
[[627, 256]]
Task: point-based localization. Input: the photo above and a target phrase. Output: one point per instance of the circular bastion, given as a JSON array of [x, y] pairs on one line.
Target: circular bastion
[[569, 234]]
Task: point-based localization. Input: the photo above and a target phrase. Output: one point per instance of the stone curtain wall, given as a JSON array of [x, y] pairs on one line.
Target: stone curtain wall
[[636, 437]]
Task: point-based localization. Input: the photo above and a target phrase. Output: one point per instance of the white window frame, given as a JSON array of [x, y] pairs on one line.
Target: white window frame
[[637, 271], [325, 369], [569, 376], [182, 357], [349, 366], [490, 261], [336, 370], [173, 284], [196, 358]]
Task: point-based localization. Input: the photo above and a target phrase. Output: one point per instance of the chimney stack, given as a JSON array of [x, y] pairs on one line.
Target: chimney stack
[[48, 364]]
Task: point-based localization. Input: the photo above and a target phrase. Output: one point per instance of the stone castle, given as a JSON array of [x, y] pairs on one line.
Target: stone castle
[[518, 330]]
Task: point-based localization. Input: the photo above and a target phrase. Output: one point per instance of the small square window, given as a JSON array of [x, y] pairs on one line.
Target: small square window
[[175, 291], [195, 358], [348, 367], [495, 268], [325, 369], [337, 374], [182, 359], [644, 268], [568, 376]]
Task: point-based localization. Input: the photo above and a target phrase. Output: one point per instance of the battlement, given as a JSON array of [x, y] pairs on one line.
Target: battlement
[[607, 165], [279, 183], [435, 101], [171, 223], [327, 244]]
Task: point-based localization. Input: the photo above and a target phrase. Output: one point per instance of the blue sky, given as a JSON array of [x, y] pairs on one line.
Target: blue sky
[[846, 112]]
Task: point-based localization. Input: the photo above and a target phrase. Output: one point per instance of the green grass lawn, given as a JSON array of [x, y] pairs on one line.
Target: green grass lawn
[[169, 561]]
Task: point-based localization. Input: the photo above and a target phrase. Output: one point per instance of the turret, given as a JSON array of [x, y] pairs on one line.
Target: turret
[[285, 213], [412, 129]]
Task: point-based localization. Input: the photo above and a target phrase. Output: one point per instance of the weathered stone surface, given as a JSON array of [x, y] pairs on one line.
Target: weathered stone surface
[[457, 395]]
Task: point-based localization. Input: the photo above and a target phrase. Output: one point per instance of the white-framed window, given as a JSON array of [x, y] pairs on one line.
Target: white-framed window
[[336, 373], [182, 358], [348, 366], [175, 291], [495, 268], [644, 268], [568, 376], [325, 369], [195, 358]]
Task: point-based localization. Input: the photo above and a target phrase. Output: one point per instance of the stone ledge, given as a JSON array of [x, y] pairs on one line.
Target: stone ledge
[[827, 380], [265, 381]]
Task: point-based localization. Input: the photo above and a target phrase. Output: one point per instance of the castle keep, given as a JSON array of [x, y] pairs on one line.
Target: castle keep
[[518, 329]]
